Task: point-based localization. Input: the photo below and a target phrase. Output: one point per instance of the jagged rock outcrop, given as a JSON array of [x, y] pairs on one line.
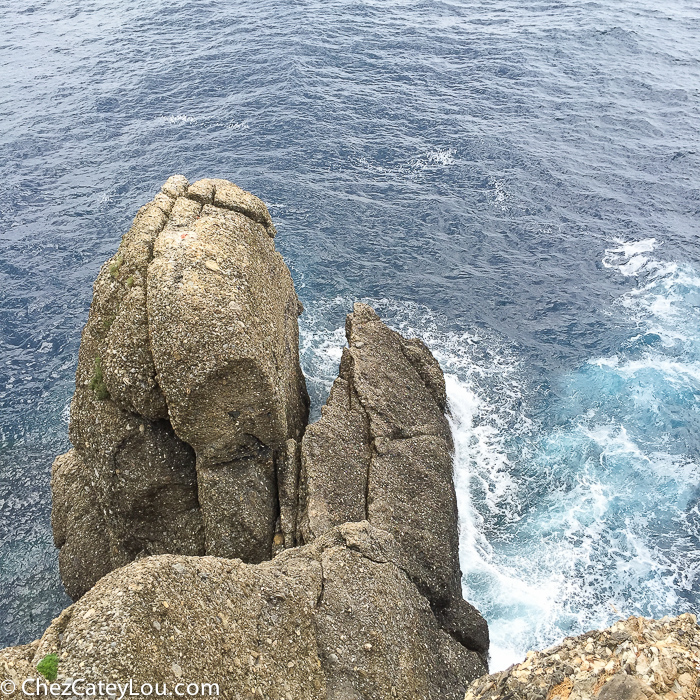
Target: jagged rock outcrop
[[635, 659], [337, 619], [382, 451], [189, 398], [187, 425]]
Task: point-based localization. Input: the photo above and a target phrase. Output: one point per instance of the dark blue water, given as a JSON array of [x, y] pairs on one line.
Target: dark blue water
[[517, 182]]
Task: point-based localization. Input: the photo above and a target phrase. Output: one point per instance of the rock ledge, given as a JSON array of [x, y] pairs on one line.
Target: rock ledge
[[635, 659]]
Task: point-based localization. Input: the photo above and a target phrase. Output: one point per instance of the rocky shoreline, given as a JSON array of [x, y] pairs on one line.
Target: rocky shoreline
[[635, 659], [208, 533]]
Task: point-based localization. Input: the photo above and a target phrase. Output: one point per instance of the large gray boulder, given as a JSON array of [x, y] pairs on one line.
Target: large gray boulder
[[382, 451], [338, 619], [189, 396]]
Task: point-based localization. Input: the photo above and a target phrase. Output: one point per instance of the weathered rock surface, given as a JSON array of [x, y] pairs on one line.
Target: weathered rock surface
[[187, 426], [189, 396], [337, 619], [78, 526], [16, 665], [382, 451], [635, 659]]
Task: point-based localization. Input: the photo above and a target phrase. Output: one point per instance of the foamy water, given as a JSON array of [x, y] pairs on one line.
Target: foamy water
[[594, 513]]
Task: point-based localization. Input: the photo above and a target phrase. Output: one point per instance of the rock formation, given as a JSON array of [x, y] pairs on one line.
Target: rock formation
[[382, 451], [635, 659], [337, 619], [189, 395], [192, 456], [78, 526]]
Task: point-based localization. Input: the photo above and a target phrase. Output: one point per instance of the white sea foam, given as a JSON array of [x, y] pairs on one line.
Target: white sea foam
[[321, 344], [434, 158], [628, 256], [615, 530], [441, 156], [180, 119], [499, 195], [427, 161], [238, 126]]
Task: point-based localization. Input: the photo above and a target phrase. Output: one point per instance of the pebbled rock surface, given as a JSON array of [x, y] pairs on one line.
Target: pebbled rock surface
[[382, 451], [635, 659], [189, 396], [16, 665], [338, 619], [78, 526]]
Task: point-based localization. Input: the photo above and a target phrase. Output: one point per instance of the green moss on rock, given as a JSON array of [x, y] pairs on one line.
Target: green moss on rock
[[114, 267], [97, 383], [48, 667]]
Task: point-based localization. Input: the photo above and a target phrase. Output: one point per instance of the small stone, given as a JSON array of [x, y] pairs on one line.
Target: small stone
[[156, 625], [176, 670], [212, 265]]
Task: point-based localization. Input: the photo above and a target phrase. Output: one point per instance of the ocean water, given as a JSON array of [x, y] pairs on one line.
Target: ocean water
[[518, 183]]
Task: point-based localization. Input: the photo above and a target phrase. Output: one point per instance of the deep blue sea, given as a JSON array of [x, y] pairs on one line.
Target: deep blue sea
[[517, 182]]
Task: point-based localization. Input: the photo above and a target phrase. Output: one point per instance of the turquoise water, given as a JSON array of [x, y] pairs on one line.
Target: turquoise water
[[517, 183]]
